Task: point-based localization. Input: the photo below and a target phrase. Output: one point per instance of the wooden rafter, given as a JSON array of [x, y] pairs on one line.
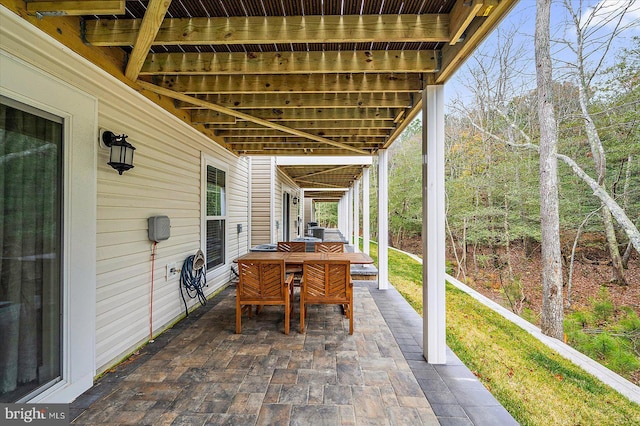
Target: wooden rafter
[[76, 8], [315, 126], [156, 9], [307, 100], [244, 116], [291, 139], [326, 132], [301, 83], [327, 185], [461, 16], [304, 114], [322, 172], [277, 29], [388, 61]]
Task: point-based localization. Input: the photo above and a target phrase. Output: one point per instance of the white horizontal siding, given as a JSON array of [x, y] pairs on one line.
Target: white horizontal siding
[[166, 180], [261, 168]]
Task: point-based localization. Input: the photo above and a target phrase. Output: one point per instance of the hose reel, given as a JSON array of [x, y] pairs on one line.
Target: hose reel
[[193, 278]]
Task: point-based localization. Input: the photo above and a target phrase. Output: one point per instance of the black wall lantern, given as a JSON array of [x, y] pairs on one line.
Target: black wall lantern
[[295, 200], [121, 156]]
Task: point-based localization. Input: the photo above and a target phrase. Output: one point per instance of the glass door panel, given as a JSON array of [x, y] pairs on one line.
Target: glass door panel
[[30, 250]]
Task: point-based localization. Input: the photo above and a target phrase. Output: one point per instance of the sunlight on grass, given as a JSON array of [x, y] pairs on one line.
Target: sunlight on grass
[[536, 385]]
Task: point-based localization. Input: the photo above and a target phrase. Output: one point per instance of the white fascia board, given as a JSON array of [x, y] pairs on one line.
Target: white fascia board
[[345, 160]]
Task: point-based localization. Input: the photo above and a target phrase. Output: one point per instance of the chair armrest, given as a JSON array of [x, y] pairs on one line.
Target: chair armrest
[[289, 280]]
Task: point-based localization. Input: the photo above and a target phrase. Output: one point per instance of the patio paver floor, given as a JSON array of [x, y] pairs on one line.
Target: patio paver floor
[[201, 372]]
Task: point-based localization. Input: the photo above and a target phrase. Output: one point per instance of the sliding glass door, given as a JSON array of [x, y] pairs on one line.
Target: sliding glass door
[[30, 250]]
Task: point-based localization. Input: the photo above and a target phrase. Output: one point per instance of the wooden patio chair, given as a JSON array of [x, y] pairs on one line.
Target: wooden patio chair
[[329, 247], [293, 247], [326, 282], [263, 282]]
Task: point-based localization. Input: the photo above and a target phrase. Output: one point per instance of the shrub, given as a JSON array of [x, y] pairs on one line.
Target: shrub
[[602, 306], [623, 362]]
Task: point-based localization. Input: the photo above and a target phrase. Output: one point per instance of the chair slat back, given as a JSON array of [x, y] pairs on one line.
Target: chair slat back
[[261, 280], [292, 246], [326, 280], [329, 247]]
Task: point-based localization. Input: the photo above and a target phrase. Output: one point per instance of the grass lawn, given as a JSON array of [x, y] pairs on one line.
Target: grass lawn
[[536, 385]]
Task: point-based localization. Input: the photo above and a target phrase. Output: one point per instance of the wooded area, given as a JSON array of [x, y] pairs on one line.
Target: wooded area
[[492, 156]]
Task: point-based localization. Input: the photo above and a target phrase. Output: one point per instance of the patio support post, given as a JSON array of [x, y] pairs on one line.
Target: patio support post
[[433, 225], [249, 195], [303, 220], [356, 215], [349, 209], [366, 219], [274, 223], [383, 219], [342, 225]]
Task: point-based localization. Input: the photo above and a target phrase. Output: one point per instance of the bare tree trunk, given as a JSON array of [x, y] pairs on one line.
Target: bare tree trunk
[[625, 206], [507, 238], [595, 143], [552, 306], [464, 247], [573, 255], [612, 244], [600, 162], [455, 251]]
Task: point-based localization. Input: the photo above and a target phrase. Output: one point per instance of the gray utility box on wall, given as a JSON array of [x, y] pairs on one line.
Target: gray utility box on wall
[[159, 228]]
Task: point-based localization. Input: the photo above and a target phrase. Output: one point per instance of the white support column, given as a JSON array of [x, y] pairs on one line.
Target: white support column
[[433, 225], [303, 220], [366, 215], [383, 219], [340, 214], [249, 198], [349, 234], [356, 216]]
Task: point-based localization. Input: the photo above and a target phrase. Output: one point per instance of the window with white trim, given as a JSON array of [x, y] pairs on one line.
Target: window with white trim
[[215, 217]]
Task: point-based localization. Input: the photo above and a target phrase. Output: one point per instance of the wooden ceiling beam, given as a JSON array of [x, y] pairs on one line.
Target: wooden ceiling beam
[[314, 147], [319, 100], [314, 62], [76, 8], [322, 172], [277, 29], [299, 83], [328, 132], [282, 152], [244, 116], [304, 114], [297, 139], [314, 126], [461, 16], [156, 9], [325, 185]]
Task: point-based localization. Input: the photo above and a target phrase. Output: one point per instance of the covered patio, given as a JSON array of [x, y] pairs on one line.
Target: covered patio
[[201, 372], [201, 88]]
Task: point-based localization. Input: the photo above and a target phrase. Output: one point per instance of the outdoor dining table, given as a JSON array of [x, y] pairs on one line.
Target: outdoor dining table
[[298, 258]]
